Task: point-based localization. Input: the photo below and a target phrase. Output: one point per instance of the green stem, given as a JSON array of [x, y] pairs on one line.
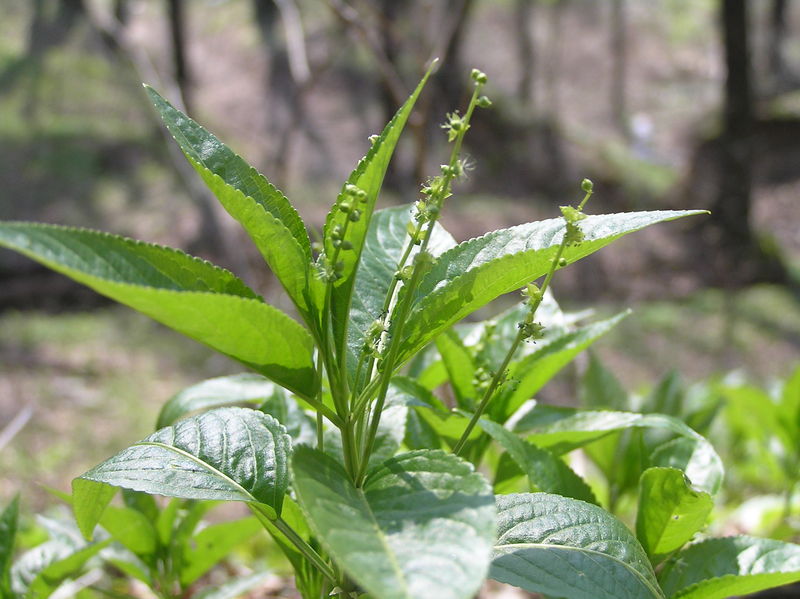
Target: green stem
[[306, 549], [402, 310], [487, 396], [500, 374]]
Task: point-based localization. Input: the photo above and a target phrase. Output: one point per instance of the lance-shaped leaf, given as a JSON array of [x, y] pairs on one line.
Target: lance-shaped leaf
[[564, 430], [670, 511], [385, 242], [367, 176], [232, 454], [236, 389], [265, 213], [534, 370], [192, 296], [546, 472], [720, 568], [41, 570], [421, 527], [8, 535], [460, 366], [567, 548], [212, 544], [475, 272]]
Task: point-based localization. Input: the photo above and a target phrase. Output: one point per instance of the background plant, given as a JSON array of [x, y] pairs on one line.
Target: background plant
[[359, 512]]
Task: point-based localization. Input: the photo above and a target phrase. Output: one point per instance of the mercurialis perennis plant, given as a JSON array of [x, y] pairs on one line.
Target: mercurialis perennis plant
[[339, 440]]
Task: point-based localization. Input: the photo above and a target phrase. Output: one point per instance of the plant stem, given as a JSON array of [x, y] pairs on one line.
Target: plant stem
[[403, 308], [500, 374], [306, 549]]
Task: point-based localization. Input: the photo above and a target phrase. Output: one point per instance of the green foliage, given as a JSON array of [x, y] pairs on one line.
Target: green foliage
[[568, 548], [369, 478]]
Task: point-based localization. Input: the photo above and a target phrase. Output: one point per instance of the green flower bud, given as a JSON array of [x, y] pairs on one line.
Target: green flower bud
[[354, 216], [337, 232], [479, 77], [562, 263], [483, 102], [587, 186]]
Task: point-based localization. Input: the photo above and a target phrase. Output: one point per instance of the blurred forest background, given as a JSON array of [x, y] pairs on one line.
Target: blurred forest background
[[663, 103]]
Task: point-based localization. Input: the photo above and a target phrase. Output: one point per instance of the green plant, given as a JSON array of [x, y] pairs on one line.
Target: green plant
[[385, 498]]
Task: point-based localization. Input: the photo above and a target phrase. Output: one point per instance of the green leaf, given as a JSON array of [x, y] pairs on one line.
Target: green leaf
[[9, 520], [212, 544], [421, 527], [190, 295], [475, 272], [419, 433], [271, 221], [670, 511], [368, 176], [567, 548], [131, 528], [790, 402], [232, 454], [601, 389], [545, 471], [563, 431], [390, 435], [460, 368], [536, 369], [40, 571], [237, 389], [384, 244], [286, 410], [695, 457], [720, 568]]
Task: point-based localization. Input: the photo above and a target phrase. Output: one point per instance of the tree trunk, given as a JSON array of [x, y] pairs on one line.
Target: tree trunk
[[452, 77], [619, 66], [776, 62], [177, 32], [526, 50], [731, 210]]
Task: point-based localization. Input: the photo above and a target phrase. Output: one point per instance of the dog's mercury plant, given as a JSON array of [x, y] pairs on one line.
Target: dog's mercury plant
[[366, 479]]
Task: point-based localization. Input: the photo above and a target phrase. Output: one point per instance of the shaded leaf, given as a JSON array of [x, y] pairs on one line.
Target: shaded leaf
[[222, 391], [568, 548], [384, 244], [421, 527], [9, 520], [546, 472], [536, 369], [212, 544], [562, 431], [460, 368], [720, 568]]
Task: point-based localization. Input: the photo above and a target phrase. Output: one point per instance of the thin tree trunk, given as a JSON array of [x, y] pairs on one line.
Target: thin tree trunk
[[526, 50], [732, 207], [619, 68], [177, 31], [776, 61], [451, 75]]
